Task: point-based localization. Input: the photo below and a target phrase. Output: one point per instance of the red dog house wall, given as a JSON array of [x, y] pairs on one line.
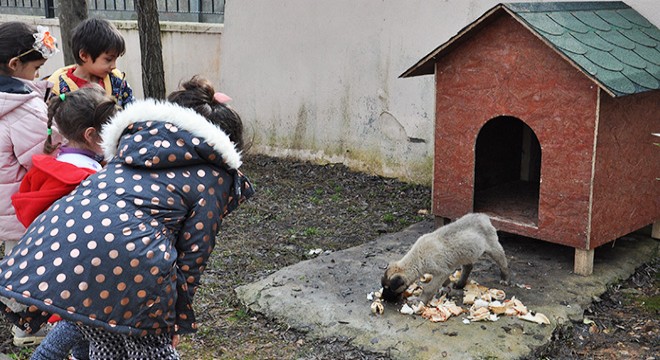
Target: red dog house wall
[[544, 120]]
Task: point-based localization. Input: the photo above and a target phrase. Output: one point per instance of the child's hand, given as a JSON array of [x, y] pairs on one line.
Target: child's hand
[[175, 340]]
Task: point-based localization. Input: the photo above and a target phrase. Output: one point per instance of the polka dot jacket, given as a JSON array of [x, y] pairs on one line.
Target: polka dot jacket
[[125, 250]]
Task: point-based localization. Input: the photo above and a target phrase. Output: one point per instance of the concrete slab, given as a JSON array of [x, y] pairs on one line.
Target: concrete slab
[[327, 296]]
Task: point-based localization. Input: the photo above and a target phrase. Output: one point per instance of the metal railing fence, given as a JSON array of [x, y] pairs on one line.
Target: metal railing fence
[[204, 11]]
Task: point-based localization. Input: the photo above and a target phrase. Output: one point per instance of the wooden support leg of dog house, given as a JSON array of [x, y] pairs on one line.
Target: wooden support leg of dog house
[[584, 262], [439, 221], [655, 233]]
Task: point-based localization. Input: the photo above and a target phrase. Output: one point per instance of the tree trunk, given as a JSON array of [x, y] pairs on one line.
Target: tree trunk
[[71, 13], [153, 75]]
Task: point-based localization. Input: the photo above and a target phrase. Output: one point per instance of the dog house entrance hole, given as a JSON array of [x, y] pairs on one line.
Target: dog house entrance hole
[[507, 171]]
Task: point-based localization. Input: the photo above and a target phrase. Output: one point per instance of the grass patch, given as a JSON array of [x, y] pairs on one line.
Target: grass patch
[[23, 354], [650, 304], [388, 218], [239, 315], [311, 231]]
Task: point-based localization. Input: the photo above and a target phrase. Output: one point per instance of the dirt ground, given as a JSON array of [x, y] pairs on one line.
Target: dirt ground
[[300, 207]]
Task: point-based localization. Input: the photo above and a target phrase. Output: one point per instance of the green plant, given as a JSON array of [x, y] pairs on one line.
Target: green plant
[[651, 303], [388, 218], [239, 315], [22, 354], [311, 231]]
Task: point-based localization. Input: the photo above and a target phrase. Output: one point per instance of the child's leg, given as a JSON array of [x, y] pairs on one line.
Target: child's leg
[[80, 351], [59, 341], [104, 345], [151, 347]]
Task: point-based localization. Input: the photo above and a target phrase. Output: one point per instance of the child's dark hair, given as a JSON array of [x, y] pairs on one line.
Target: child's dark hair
[[16, 38], [198, 94], [96, 36], [76, 111]]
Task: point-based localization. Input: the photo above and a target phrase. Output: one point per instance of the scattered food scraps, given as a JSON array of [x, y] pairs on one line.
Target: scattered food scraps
[[406, 310], [537, 318], [486, 304], [419, 308], [496, 294], [314, 252], [474, 291], [377, 307], [436, 314], [481, 314]]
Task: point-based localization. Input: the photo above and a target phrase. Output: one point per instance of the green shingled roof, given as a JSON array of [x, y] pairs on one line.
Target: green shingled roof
[[609, 41]]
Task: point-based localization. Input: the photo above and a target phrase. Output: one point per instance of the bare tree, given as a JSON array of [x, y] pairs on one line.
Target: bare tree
[[153, 75], [71, 13]]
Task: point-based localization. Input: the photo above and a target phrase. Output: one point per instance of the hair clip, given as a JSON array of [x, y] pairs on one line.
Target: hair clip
[[44, 42], [49, 131], [221, 98], [62, 97]]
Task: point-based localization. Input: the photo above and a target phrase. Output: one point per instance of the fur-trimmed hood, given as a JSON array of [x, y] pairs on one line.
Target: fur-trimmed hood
[[149, 111]]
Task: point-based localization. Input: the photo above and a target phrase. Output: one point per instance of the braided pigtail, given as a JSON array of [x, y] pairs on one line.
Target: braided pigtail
[[53, 109]]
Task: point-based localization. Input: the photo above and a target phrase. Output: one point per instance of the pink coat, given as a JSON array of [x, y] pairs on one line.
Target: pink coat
[[23, 119]]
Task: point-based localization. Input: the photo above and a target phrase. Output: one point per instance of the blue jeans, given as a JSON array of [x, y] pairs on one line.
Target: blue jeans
[[61, 339]]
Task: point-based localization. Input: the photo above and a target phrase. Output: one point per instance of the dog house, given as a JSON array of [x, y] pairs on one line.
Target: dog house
[[545, 114]]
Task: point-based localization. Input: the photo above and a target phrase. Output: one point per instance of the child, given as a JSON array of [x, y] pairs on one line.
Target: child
[[126, 249], [23, 115], [23, 50], [96, 44], [79, 117]]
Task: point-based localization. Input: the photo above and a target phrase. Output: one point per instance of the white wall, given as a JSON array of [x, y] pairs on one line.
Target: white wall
[[319, 79], [188, 49]]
